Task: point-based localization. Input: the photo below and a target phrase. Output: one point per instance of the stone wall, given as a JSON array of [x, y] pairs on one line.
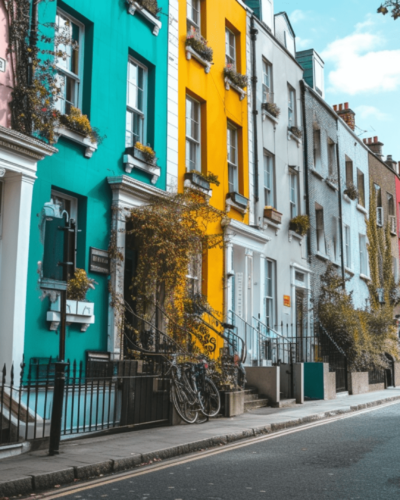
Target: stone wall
[[358, 382]]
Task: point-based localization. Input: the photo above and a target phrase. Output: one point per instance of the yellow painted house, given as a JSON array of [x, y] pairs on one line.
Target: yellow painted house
[[213, 120]]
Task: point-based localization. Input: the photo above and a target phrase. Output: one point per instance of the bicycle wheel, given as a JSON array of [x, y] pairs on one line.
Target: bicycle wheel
[[187, 413], [210, 399]]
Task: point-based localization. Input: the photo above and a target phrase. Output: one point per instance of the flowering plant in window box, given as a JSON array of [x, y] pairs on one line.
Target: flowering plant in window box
[[145, 152], [235, 77], [300, 224], [199, 45], [79, 123], [272, 109], [272, 214], [150, 5], [78, 286], [296, 132], [201, 180], [351, 191]]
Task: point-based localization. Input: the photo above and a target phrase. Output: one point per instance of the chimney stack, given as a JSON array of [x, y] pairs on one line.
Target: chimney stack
[[375, 146], [346, 114], [391, 163]]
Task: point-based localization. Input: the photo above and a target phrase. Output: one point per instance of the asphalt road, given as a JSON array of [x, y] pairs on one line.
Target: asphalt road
[[353, 458]]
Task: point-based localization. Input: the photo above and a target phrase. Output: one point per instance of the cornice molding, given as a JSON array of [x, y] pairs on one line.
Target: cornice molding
[[25, 145]]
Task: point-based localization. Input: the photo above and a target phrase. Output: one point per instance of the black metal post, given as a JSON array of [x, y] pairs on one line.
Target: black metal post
[[56, 414]]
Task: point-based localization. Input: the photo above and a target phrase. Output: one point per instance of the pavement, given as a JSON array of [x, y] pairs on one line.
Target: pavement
[[93, 457], [351, 458]]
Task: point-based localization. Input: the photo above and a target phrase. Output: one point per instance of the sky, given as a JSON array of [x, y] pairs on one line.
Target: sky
[[361, 51]]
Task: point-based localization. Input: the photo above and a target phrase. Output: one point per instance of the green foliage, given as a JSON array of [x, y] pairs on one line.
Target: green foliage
[[199, 44], [79, 285], [236, 77], [300, 224], [365, 336], [210, 177], [351, 191]]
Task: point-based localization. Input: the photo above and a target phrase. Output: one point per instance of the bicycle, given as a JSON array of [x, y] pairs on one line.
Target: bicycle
[[192, 392]]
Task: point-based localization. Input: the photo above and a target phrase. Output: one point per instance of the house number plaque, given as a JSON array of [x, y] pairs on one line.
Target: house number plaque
[[99, 261]]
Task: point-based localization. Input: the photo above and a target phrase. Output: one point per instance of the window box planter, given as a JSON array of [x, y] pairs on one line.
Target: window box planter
[[346, 198], [134, 7], [297, 236], [134, 158], [273, 215], [237, 201], [332, 184], [77, 312], [229, 84], [90, 147], [191, 53], [321, 256], [272, 118], [317, 174], [193, 180], [271, 110], [361, 209], [295, 134]]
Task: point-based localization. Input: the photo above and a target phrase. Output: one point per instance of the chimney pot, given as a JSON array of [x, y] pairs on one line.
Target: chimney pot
[[335, 107], [375, 139], [369, 140], [389, 157], [346, 105], [340, 107]]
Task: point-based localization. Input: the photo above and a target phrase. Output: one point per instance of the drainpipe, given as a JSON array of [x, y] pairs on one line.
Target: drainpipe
[[254, 33], [305, 154], [340, 206]]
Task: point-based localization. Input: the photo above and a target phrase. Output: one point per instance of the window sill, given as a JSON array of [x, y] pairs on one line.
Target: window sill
[[321, 256], [361, 209], [232, 203], [90, 147], [229, 84], [134, 7], [349, 271], [130, 163], [332, 185], [274, 225], [293, 137], [346, 198], [270, 117], [317, 174], [189, 184], [191, 53], [293, 234], [365, 278]]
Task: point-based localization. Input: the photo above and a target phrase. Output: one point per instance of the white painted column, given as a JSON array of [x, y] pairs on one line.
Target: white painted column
[[261, 280], [14, 266], [229, 273], [115, 346]]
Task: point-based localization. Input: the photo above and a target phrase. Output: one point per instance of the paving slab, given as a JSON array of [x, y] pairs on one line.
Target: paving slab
[[94, 456]]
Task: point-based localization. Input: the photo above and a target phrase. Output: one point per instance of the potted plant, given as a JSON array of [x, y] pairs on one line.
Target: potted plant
[[296, 132], [144, 153], [79, 123], [203, 181], [199, 45], [351, 191], [300, 224], [149, 5], [235, 77], [272, 214], [272, 109]]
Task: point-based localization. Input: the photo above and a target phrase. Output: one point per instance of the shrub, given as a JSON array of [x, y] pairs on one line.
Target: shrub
[[199, 44], [300, 224], [235, 77], [79, 285], [77, 122], [148, 153], [351, 191]]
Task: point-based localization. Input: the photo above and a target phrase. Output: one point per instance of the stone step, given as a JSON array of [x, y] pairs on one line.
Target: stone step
[[285, 403], [250, 396], [256, 403]]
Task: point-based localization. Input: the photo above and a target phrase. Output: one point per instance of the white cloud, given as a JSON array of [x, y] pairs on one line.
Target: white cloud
[[296, 16], [366, 112], [303, 43], [359, 64]]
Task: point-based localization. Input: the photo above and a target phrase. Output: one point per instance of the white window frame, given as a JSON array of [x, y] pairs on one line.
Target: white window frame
[[320, 230], [267, 82], [233, 166], [362, 240], [190, 140], [73, 201], [294, 193], [131, 109], [229, 59], [1, 206], [270, 292], [292, 119], [193, 5], [79, 77], [269, 180], [347, 246]]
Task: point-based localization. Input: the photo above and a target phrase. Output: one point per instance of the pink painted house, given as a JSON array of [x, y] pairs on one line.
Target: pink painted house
[[6, 70]]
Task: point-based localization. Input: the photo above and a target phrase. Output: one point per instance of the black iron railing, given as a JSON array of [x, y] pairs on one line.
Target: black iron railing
[[376, 376]]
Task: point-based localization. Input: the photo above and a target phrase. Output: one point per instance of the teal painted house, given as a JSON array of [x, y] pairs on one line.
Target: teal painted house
[[116, 72]]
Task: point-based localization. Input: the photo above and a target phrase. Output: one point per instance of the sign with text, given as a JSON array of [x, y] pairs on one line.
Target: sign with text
[[286, 300], [99, 261]]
